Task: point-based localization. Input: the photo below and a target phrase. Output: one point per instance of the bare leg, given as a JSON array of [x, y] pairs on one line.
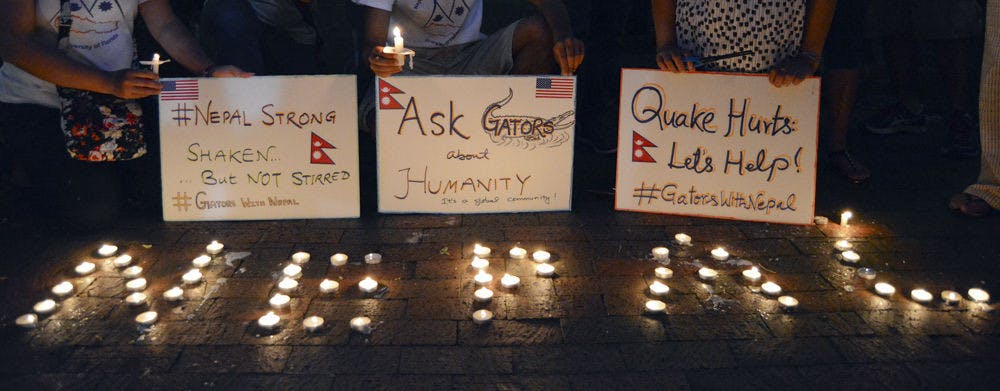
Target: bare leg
[[533, 47], [840, 89]]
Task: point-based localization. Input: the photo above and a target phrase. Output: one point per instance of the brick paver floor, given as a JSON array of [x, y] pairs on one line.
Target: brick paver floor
[[585, 328]]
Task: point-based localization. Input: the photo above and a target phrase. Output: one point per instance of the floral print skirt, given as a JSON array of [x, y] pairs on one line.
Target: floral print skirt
[[101, 127]]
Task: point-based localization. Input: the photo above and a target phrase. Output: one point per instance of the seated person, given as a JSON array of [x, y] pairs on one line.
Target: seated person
[[446, 36], [267, 37]]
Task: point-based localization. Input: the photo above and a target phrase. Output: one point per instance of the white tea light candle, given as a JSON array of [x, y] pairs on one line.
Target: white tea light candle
[[28, 321], [708, 274], [62, 289], [193, 276], [661, 253], [338, 259], [658, 288], [843, 245], [85, 268], [107, 250], [483, 278], [544, 269], [269, 320], [866, 273], [518, 253], [770, 288], [201, 261], [481, 251], [979, 295], [663, 273], [510, 281], [136, 285], [541, 256], [292, 271], [173, 294], [287, 284], [482, 316], [951, 297], [135, 299], [45, 306], [921, 296], [368, 285], [132, 272], [683, 239], [312, 323], [122, 260], [850, 256], [483, 294], [373, 258], [885, 289], [479, 263], [328, 286], [655, 306], [279, 301], [214, 248], [300, 257], [362, 324], [752, 274], [720, 254], [147, 318], [788, 302]]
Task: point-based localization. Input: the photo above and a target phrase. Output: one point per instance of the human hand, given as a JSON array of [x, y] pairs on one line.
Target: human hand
[[229, 71], [382, 63], [671, 59], [793, 71], [569, 55], [134, 83]]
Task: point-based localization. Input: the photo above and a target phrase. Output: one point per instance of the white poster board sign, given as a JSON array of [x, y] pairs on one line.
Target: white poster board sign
[[277, 147], [717, 145], [458, 144]]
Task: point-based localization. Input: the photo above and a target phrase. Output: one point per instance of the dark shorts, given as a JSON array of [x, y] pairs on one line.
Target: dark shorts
[[845, 42]]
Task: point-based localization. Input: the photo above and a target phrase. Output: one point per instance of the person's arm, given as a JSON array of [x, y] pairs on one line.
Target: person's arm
[[669, 57], [23, 46], [568, 50], [376, 28], [819, 15], [178, 42]]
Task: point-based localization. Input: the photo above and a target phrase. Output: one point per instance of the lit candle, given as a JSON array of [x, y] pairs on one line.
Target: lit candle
[[866, 273], [752, 274], [122, 260], [483, 278], [655, 306], [951, 297], [136, 285], [193, 276], [843, 245], [821, 220], [201, 261], [720, 254], [146, 318], [771, 288], [338, 259], [62, 289], [658, 288], [300, 257], [45, 306], [373, 258], [107, 250], [921, 296], [173, 294], [362, 324], [661, 253], [214, 248], [541, 256], [481, 251], [483, 294], [85, 268], [132, 272], [28, 321], [328, 286], [518, 253], [279, 301], [292, 271], [885, 289], [850, 256], [788, 302], [479, 263], [979, 295], [368, 285], [663, 273], [287, 284], [544, 269], [683, 239], [510, 281], [708, 274], [845, 218], [136, 298], [312, 323], [269, 320], [155, 63], [482, 316], [397, 40]]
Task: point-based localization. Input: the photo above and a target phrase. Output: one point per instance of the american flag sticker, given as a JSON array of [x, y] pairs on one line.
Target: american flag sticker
[[179, 90], [554, 87]]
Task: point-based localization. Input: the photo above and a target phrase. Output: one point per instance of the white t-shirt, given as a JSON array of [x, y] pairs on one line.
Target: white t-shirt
[[432, 23], [101, 35]]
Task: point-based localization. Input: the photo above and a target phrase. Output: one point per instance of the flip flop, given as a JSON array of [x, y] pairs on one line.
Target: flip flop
[[970, 205]]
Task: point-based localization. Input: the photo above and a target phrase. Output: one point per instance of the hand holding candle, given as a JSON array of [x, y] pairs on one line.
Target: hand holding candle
[[155, 63]]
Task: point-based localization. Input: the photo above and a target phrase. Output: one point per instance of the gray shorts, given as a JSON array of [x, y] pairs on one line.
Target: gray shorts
[[492, 55]]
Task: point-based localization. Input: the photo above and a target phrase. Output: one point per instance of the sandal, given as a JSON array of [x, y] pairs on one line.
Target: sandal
[[970, 205], [847, 167]]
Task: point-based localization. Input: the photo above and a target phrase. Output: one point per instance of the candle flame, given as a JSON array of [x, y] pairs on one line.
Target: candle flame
[[396, 32]]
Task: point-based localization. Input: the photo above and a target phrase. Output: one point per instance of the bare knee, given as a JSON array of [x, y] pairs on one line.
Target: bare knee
[[532, 31]]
